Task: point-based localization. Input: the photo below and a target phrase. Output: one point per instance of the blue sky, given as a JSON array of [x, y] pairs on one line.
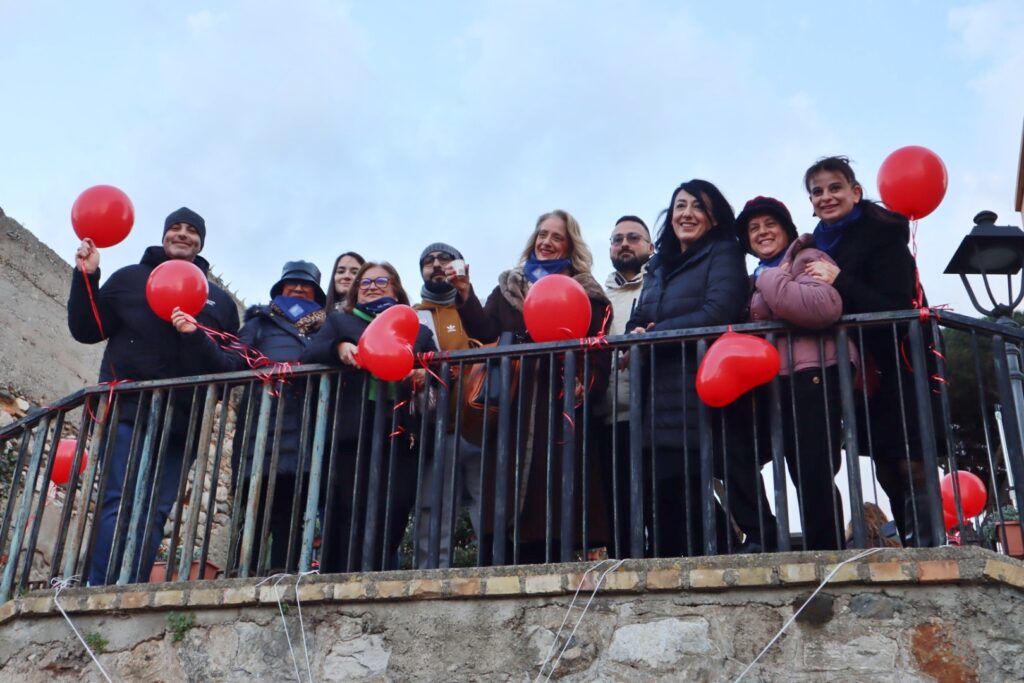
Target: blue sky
[[303, 129]]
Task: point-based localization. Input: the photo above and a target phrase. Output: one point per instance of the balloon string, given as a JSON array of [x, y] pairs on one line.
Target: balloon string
[[425, 359], [266, 370], [601, 338], [103, 333]]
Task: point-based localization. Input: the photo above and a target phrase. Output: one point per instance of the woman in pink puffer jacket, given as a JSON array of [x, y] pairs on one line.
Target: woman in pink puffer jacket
[[809, 380]]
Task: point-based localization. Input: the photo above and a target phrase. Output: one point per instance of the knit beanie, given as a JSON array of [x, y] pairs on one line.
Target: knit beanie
[[761, 206], [187, 215], [441, 246]]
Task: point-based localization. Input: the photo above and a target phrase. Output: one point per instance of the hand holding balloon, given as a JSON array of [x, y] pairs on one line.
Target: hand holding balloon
[[87, 257], [349, 354], [183, 322]]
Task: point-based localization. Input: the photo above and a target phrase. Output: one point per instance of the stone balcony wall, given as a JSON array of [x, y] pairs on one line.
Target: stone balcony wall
[[947, 614]]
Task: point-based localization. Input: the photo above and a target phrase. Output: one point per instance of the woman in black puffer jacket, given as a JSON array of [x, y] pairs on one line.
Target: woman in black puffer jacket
[[698, 278]]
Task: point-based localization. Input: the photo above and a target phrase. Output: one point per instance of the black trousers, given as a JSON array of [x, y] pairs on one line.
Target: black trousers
[[811, 417]]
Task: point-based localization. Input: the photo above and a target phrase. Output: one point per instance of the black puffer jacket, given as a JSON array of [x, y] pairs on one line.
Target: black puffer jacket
[[140, 345], [346, 327], [279, 340], [876, 273], [705, 285]]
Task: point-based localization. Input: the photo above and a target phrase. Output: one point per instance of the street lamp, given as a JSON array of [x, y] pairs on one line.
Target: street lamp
[[992, 249]]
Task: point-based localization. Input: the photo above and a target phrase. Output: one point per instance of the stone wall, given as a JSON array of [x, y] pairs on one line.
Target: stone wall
[[948, 614], [40, 361]]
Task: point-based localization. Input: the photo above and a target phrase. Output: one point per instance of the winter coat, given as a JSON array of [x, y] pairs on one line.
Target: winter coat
[[786, 293], [503, 312], [877, 273], [140, 345], [347, 327], [707, 285], [277, 338], [623, 295]]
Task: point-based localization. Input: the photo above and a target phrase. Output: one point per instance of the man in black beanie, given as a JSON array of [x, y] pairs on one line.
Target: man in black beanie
[[440, 263], [142, 346]]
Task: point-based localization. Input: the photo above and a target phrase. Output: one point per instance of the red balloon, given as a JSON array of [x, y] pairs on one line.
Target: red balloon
[[912, 181], [949, 519], [177, 283], [972, 494], [733, 365], [103, 214], [65, 458], [556, 308], [385, 347]]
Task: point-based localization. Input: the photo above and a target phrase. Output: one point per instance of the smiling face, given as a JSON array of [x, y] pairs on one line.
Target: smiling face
[[373, 290], [345, 275], [182, 241], [691, 218], [552, 239], [767, 237], [833, 196]]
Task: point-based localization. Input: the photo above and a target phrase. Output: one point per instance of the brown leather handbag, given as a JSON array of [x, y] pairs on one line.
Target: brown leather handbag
[[480, 381]]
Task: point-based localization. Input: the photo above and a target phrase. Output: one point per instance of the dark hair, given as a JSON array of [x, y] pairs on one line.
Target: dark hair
[[634, 219], [723, 219], [396, 282], [841, 165], [332, 294]]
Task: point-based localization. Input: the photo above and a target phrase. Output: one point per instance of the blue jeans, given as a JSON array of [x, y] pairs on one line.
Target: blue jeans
[[117, 488]]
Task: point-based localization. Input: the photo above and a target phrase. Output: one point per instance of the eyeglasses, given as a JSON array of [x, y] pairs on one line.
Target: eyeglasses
[[442, 258], [631, 237], [378, 282]]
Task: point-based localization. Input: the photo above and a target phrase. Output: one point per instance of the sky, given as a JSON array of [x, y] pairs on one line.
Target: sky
[[303, 129]]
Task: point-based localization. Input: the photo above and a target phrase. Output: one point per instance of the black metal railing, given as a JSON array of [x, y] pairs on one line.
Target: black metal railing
[[323, 467]]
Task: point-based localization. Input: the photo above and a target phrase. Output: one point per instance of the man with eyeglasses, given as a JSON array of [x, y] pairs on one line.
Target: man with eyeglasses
[[630, 249], [440, 265]]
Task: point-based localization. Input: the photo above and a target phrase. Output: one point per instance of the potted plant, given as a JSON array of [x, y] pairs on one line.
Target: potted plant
[[197, 571], [1004, 527]]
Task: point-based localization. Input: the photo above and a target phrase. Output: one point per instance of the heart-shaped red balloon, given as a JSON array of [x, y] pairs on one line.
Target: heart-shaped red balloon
[[735, 364], [385, 347]]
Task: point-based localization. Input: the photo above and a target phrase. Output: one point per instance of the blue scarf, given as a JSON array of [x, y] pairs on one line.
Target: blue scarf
[[770, 263], [535, 268], [295, 308], [827, 237], [377, 306]]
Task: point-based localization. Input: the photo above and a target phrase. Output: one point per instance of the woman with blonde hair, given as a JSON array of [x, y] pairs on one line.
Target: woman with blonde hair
[[555, 247]]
